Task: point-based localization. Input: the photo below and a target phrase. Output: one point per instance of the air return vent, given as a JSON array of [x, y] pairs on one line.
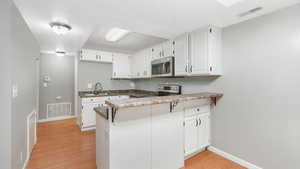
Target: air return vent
[[58, 110], [251, 11]]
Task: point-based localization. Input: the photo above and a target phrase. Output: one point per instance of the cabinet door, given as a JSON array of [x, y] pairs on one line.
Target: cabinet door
[[105, 56], [121, 66], [88, 55], [204, 130], [146, 63], [191, 134], [206, 44], [168, 48], [181, 55], [156, 52], [88, 115], [199, 52], [167, 129]]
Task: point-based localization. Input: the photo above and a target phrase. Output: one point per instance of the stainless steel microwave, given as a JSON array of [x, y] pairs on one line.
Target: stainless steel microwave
[[163, 67]]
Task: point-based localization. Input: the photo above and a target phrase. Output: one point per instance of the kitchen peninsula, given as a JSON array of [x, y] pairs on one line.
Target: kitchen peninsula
[[153, 132]]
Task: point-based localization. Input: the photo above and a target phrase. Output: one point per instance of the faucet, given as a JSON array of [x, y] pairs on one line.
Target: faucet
[[98, 88]]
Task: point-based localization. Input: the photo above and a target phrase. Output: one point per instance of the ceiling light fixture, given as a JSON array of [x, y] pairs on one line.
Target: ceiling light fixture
[[60, 53], [229, 3], [60, 28], [116, 34]]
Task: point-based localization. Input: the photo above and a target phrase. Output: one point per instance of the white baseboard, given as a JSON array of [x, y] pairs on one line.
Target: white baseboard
[[88, 128], [233, 158], [56, 119], [26, 162]]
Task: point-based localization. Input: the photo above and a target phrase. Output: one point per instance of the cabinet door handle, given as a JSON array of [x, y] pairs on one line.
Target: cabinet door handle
[[186, 68], [200, 122], [197, 122], [191, 68]]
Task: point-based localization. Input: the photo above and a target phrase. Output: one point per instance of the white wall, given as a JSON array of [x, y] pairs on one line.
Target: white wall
[[61, 71], [258, 117], [5, 91], [91, 72], [24, 51]]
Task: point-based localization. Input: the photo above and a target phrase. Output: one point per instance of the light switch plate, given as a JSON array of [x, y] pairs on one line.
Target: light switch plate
[[15, 91], [90, 85]]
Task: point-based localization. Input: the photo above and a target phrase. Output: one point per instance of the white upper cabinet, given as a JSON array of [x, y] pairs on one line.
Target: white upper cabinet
[[121, 66], [95, 56], [140, 64], [205, 51], [105, 56], [156, 52], [134, 66], [146, 66], [168, 48], [88, 55], [165, 49], [181, 48]]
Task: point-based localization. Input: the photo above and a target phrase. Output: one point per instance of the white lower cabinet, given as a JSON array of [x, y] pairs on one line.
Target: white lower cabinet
[[88, 115], [88, 118], [197, 130]]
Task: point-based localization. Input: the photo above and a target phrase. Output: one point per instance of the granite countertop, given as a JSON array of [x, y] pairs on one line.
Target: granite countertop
[[117, 104], [133, 93]]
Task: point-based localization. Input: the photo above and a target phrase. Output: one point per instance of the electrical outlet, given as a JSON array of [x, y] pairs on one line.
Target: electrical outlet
[[21, 157]]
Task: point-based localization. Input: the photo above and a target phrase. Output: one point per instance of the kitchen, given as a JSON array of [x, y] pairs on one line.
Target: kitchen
[[178, 85]]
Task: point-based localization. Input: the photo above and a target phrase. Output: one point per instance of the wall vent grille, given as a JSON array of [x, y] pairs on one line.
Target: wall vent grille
[[58, 110]]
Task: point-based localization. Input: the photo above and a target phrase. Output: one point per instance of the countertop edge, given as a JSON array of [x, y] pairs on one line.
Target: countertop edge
[[102, 111], [165, 99]]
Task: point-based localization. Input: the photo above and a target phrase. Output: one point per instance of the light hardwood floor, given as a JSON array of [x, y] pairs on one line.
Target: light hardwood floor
[[61, 145]]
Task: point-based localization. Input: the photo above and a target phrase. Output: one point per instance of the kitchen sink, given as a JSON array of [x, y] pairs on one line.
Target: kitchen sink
[[94, 95]]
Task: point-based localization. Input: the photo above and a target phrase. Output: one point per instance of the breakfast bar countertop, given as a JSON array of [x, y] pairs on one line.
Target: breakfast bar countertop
[[136, 102]]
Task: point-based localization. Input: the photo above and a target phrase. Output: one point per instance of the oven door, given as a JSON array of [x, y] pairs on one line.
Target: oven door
[[163, 67]]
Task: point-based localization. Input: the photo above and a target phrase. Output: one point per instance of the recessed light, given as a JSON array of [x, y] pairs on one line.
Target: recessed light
[[60, 53], [229, 3], [116, 34], [60, 28]]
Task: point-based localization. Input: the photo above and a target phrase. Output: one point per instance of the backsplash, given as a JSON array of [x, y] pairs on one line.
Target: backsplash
[[189, 84], [91, 73]]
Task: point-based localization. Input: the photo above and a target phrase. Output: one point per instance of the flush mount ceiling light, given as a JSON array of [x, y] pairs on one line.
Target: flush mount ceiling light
[[60, 53], [60, 28], [116, 34], [229, 3]]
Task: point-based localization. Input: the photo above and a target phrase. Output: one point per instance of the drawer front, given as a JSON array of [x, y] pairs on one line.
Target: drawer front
[[197, 110]]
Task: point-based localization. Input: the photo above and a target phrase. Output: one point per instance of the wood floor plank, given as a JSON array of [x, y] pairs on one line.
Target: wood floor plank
[[61, 145]]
